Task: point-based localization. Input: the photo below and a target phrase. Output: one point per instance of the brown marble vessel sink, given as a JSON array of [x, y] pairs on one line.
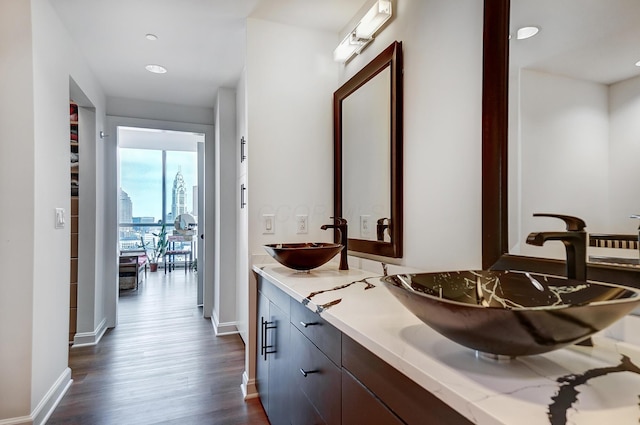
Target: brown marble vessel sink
[[511, 313], [303, 256]]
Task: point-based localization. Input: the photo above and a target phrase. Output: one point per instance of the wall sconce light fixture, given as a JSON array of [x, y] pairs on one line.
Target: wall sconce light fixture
[[363, 33]]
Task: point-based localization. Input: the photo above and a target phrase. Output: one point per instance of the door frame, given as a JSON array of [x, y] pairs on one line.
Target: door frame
[[112, 164]]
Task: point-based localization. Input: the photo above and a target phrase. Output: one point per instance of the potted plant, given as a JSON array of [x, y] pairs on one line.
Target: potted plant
[[157, 250]]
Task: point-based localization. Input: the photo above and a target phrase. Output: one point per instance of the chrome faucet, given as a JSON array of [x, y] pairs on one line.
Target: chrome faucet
[[574, 240], [341, 226]]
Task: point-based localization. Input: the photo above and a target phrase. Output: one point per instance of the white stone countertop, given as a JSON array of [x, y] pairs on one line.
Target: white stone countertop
[[575, 385]]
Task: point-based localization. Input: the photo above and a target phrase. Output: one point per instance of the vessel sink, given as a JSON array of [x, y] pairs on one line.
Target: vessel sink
[[511, 313], [303, 256]]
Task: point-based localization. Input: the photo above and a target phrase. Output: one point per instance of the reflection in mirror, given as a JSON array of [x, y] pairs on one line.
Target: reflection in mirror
[[185, 224], [366, 180], [496, 161], [367, 113], [574, 126]]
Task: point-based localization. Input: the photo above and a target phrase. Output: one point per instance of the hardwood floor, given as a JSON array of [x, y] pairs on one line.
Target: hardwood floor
[[162, 364]]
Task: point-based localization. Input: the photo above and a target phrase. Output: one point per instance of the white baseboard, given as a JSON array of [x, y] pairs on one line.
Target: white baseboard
[[83, 339], [220, 329], [248, 387], [47, 405], [20, 420], [51, 400]]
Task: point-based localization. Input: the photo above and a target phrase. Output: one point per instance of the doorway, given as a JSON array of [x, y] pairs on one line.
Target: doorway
[[160, 183]]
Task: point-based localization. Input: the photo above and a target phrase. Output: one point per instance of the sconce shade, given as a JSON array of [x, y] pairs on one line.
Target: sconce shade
[[363, 33], [374, 19], [349, 47]]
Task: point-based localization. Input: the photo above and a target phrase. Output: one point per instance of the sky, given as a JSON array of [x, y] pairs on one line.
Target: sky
[[141, 178]]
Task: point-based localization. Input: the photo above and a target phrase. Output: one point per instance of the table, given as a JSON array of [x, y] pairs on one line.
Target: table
[[170, 255]]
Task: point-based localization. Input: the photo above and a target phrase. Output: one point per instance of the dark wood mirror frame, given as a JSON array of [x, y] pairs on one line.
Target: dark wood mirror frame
[[495, 104], [391, 57]]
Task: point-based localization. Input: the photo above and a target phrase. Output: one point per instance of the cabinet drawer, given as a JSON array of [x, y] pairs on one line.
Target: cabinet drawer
[[361, 406], [409, 401], [324, 335], [317, 377], [274, 294], [302, 410]]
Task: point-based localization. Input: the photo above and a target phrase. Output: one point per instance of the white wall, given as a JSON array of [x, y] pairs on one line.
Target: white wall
[[442, 45], [290, 79], [224, 307], [242, 225], [35, 104], [564, 144], [90, 311], [91, 321], [56, 59], [17, 183], [624, 110], [134, 108]]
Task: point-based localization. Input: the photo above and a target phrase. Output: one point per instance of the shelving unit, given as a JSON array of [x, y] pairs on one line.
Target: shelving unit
[[75, 174]]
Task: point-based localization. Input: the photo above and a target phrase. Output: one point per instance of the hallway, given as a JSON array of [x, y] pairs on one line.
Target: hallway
[[162, 364]]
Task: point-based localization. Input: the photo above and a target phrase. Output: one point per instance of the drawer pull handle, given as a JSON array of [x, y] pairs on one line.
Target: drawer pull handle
[[243, 154], [307, 372], [264, 346], [243, 189], [304, 324]]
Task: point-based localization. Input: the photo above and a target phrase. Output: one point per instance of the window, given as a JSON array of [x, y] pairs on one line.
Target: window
[[156, 185]]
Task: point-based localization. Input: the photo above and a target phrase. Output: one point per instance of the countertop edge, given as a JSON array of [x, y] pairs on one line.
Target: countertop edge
[[481, 404]]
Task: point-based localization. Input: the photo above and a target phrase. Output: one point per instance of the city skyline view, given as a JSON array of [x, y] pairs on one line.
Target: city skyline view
[[141, 179], [141, 175]]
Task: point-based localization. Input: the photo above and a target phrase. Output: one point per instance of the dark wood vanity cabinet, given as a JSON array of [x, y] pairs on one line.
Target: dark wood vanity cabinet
[[361, 406], [273, 353], [315, 378], [310, 373]]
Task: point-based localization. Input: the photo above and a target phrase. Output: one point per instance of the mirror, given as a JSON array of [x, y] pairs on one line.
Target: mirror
[[185, 224], [366, 124], [367, 112], [574, 103], [500, 195]]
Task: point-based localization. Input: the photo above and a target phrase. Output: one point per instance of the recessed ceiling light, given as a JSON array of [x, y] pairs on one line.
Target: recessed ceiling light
[[151, 37], [638, 63], [156, 69], [527, 32]]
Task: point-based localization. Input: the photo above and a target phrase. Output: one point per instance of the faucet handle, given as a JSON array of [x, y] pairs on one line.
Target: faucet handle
[[574, 224], [339, 220]]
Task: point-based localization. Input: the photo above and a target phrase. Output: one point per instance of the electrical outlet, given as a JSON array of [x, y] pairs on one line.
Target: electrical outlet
[[59, 218], [268, 224], [302, 224], [365, 221]]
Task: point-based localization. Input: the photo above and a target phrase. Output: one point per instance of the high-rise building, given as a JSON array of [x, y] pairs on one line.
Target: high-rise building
[[178, 195], [146, 220], [125, 215]]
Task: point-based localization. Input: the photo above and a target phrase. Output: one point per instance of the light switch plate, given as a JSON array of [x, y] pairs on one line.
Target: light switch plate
[[268, 224]]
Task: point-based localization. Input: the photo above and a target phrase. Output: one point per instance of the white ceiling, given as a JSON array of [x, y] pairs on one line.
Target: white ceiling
[[593, 40], [200, 42]]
